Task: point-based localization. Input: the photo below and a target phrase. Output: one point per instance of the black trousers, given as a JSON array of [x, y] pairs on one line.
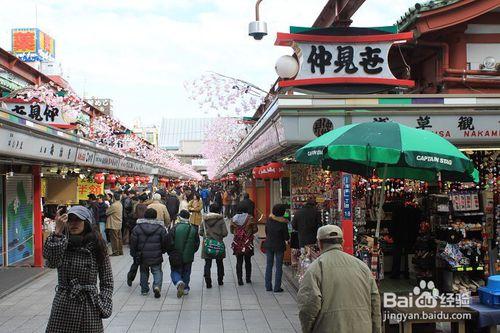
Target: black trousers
[[239, 266], [400, 252], [132, 273], [220, 268]]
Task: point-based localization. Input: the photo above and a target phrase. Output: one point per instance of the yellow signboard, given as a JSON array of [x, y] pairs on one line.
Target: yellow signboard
[[88, 186]]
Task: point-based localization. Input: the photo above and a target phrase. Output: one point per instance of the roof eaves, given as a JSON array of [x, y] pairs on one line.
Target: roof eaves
[[412, 15]]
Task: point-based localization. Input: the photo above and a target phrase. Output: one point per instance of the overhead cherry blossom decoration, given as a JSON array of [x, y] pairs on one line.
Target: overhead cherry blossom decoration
[[224, 96], [220, 141]]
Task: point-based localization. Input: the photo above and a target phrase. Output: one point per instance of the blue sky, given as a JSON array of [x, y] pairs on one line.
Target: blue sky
[[139, 53]]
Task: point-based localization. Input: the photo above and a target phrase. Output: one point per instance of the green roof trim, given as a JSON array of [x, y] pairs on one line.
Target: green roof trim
[[390, 29], [414, 12]]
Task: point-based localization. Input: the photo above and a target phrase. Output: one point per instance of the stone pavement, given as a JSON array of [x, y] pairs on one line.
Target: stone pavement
[[229, 308]]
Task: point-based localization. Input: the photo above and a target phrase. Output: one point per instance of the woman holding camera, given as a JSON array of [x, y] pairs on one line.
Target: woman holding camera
[[80, 256]]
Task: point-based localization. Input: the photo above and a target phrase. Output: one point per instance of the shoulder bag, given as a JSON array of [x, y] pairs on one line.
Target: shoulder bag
[[212, 247]]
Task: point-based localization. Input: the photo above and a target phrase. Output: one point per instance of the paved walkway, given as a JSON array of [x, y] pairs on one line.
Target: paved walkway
[[229, 308]]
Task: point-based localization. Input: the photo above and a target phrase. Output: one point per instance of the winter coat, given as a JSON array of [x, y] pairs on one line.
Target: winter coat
[[276, 233], [183, 205], [213, 227], [247, 222], [173, 204], [218, 199], [161, 212], [248, 206], [307, 221], [182, 240], [78, 306], [128, 211], [149, 238], [101, 209], [226, 199], [195, 207], [339, 294], [114, 216], [94, 211], [205, 194]]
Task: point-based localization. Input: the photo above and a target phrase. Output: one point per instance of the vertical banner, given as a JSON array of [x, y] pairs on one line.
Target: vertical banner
[[19, 212], [347, 226]]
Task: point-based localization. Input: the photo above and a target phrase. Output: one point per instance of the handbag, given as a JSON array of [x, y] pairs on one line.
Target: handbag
[[175, 258], [212, 247]]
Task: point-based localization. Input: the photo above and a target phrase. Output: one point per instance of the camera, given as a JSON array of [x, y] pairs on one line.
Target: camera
[[257, 29]]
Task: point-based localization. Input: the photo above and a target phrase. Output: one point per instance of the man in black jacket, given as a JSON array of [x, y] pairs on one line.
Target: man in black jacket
[[172, 203], [307, 221], [247, 204], [148, 242]]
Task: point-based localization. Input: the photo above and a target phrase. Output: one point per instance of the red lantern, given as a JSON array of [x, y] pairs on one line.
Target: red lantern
[[275, 170], [142, 179], [147, 179], [99, 178], [111, 179], [232, 177], [137, 179], [130, 180], [163, 180], [122, 180], [256, 172]]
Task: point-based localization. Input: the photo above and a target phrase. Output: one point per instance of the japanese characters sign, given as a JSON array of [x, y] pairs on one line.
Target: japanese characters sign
[[32, 45], [42, 113], [87, 186], [347, 196], [328, 59]]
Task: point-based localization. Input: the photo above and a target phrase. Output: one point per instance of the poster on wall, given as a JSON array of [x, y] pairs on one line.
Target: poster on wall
[[88, 186], [19, 213]]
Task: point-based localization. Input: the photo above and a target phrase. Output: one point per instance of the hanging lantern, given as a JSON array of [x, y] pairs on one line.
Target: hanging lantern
[[275, 170], [255, 172], [122, 180], [147, 179], [232, 177], [110, 179], [137, 179], [163, 180], [130, 180], [263, 172], [142, 179], [99, 178]]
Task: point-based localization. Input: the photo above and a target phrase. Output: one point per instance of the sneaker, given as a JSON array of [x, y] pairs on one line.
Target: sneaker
[[280, 290], [157, 292], [186, 292], [180, 289], [129, 280], [144, 293]]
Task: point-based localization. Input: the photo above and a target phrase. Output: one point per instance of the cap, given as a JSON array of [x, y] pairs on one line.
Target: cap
[[329, 232], [81, 212]]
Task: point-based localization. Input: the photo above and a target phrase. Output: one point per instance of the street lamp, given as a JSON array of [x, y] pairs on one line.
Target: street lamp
[[257, 29]]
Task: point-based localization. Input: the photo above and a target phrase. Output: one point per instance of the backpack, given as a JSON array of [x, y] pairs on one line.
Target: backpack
[[242, 242]]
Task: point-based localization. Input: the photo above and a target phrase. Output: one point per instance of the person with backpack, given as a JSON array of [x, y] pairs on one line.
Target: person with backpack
[[184, 243], [243, 227], [148, 242], [213, 230]]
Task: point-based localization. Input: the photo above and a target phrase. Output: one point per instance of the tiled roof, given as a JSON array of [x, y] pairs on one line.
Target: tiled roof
[[173, 131], [414, 12]]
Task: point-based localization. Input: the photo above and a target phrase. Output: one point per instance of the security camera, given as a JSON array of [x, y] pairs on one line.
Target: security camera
[[257, 29]]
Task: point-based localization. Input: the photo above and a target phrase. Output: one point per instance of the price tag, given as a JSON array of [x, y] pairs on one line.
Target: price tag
[[468, 269], [460, 269], [480, 268]]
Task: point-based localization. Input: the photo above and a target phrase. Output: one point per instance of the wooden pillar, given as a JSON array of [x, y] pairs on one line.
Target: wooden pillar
[[267, 182], [37, 216]]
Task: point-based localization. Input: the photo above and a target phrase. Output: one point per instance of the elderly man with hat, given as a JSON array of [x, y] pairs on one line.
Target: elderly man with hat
[[338, 292]]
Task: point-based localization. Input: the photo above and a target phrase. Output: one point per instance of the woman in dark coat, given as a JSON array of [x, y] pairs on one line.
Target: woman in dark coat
[[275, 244], [80, 256]]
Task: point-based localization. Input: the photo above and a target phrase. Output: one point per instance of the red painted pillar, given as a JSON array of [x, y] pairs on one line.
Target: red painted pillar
[[37, 216], [253, 195], [267, 182]]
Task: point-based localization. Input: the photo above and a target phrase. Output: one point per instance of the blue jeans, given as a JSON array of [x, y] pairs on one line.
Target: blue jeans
[[182, 273], [102, 228], [157, 277], [270, 254]]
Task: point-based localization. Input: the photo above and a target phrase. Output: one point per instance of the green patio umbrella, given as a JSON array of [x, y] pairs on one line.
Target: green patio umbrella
[[391, 150]]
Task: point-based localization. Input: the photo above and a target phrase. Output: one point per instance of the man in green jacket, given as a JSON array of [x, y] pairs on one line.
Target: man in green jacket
[[338, 292], [186, 242]]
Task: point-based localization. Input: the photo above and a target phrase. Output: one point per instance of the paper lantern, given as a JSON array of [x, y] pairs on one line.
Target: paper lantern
[[130, 180], [147, 179], [137, 179], [275, 170], [142, 179], [122, 180], [163, 180], [99, 178], [255, 172], [111, 179], [232, 177]]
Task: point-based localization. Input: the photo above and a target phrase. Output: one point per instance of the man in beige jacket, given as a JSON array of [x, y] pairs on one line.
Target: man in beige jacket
[[161, 210], [338, 292], [114, 220]]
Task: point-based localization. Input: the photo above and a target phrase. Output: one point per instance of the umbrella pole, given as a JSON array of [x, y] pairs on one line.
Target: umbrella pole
[[381, 204]]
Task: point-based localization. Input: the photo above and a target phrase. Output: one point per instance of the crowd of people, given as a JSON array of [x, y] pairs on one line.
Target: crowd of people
[[172, 222]]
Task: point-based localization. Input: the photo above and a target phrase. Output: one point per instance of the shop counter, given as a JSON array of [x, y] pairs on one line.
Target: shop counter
[[487, 317]]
